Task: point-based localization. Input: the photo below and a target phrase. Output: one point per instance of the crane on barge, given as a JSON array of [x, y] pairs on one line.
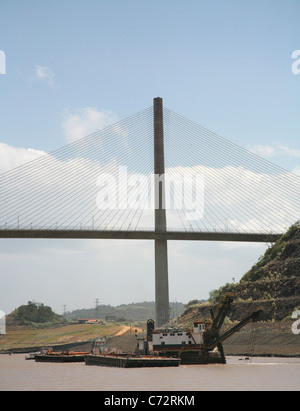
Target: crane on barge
[[203, 343]]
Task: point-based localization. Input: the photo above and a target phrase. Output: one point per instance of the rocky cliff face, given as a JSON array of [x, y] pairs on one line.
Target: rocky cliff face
[[273, 284]]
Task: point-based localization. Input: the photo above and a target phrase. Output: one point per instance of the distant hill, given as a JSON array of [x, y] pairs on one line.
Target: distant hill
[[33, 314], [126, 312], [38, 315], [272, 283]]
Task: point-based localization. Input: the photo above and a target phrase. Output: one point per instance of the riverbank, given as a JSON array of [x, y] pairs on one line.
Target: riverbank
[[264, 339], [267, 339], [76, 336]]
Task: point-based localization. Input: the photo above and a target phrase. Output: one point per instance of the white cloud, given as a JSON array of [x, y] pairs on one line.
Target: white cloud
[[11, 157], [296, 170], [44, 73], [84, 121], [284, 149], [268, 151], [240, 200], [265, 151], [65, 191]]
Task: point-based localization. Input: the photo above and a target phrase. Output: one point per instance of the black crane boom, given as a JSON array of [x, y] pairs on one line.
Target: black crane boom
[[252, 317]]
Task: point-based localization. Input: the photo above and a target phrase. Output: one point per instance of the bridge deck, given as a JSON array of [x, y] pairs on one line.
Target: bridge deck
[[141, 235]]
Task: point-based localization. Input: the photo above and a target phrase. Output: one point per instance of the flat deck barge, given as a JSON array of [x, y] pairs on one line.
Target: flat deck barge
[[131, 361], [59, 357]]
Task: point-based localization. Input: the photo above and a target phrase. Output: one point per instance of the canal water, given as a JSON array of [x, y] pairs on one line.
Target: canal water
[[267, 374]]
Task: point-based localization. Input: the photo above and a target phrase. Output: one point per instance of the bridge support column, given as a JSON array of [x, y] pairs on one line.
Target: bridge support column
[[161, 247]]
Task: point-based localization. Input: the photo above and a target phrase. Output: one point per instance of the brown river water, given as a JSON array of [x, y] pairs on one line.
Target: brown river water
[[268, 374]]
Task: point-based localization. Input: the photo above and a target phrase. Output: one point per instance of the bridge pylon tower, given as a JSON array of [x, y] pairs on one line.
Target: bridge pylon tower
[[161, 246]]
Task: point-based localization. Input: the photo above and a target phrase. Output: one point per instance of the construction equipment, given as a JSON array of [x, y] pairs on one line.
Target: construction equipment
[[203, 343]]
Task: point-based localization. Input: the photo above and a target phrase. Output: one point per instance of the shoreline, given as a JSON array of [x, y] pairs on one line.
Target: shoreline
[[262, 339]]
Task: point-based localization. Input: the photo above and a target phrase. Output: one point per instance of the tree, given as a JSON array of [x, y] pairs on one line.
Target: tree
[[35, 313]]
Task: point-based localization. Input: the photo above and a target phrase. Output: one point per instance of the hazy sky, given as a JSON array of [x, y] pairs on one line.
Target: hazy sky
[[73, 67]]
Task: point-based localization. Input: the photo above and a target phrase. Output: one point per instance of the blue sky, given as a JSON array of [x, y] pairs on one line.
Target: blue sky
[[224, 65], [73, 67]]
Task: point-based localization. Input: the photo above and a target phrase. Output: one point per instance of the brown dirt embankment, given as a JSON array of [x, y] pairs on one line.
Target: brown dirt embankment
[[264, 338]]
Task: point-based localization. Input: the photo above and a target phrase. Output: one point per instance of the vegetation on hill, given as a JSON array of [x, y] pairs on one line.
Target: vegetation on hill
[[273, 283], [33, 314], [126, 312], [280, 260]]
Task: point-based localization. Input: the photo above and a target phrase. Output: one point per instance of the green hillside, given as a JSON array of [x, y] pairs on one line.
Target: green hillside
[[272, 283], [33, 314]]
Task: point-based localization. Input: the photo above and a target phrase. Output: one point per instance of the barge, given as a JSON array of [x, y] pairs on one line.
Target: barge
[[60, 357], [128, 361]]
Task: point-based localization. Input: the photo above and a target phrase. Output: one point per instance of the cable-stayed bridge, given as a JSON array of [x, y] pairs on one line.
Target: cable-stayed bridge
[[155, 176]]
